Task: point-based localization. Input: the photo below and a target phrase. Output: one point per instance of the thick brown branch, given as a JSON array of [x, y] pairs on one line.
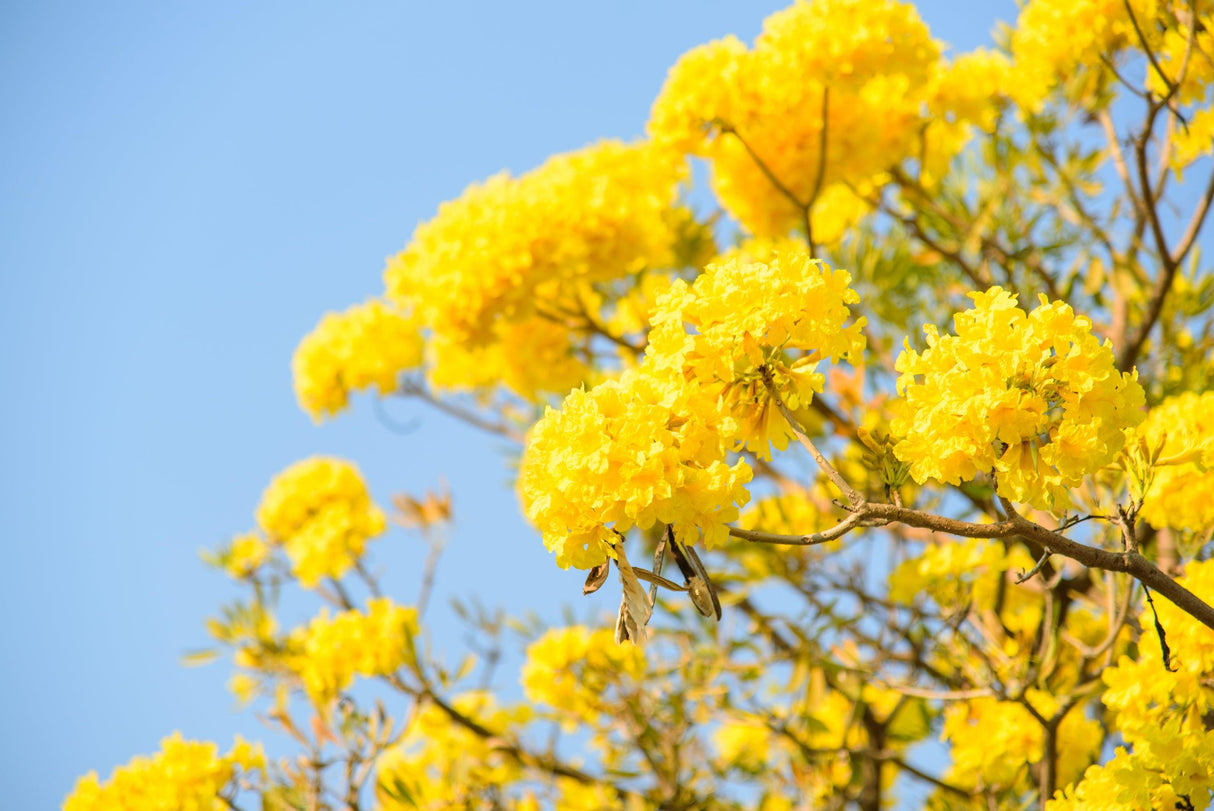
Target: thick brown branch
[[1129, 562]]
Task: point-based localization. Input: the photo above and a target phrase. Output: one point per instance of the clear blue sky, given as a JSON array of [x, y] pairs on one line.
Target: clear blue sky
[[185, 189]]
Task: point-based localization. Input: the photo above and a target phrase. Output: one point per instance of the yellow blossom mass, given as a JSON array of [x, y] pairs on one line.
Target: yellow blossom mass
[[1160, 710], [994, 743], [1181, 495], [1035, 397], [632, 451], [847, 75], [320, 511], [333, 649], [1071, 42], [244, 555], [182, 775], [365, 346], [570, 670], [743, 327], [440, 764]]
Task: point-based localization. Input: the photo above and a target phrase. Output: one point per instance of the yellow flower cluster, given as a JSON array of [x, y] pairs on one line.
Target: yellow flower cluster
[[1181, 495], [994, 743], [742, 325], [367, 345], [182, 776], [632, 451], [320, 511], [512, 252], [965, 93], [1195, 140], [332, 650], [440, 765], [1068, 41], [968, 572], [244, 555], [864, 63], [1171, 48], [571, 669], [1035, 398], [965, 89], [790, 512], [527, 357], [1161, 715]]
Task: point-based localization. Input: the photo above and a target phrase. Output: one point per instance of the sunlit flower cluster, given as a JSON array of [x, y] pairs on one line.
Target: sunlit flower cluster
[[1161, 715], [850, 73], [244, 555], [528, 357], [1183, 47], [366, 346], [1181, 495], [1185, 59], [966, 93], [994, 743], [630, 452], [440, 764], [1035, 398], [743, 328], [319, 510], [516, 252], [332, 650], [182, 775], [963, 572], [571, 670], [1071, 41]]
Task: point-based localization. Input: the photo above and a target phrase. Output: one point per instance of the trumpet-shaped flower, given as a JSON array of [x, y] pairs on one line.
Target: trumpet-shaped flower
[[632, 451], [320, 511], [366, 346], [1036, 398]]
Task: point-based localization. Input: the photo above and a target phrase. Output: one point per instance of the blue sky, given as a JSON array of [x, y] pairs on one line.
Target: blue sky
[[187, 188]]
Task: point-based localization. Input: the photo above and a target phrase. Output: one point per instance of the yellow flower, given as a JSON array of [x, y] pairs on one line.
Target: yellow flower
[[634, 451], [1181, 495], [1068, 42], [182, 775], [994, 743], [319, 509], [1035, 398], [571, 670], [502, 279], [741, 323], [332, 650], [439, 764], [1160, 714], [245, 555], [867, 62], [367, 345]]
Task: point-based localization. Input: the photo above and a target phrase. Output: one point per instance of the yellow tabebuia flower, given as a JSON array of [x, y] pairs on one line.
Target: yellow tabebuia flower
[[1035, 398], [528, 357], [1072, 42], [1161, 714], [1181, 494], [591, 215], [440, 765], [1194, 141], [333, 649], [182, 776], [366, 346], [571, 669], [502, 277], [850, 74], [743, 324], [633, 451], [320, 511], [994, 743]]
